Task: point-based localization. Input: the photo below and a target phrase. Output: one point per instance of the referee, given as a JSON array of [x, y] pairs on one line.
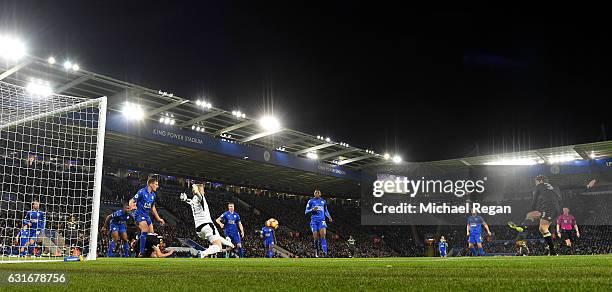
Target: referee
[[566, 224]]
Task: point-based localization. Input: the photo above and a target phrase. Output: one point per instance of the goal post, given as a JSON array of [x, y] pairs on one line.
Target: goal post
[[51, 162]]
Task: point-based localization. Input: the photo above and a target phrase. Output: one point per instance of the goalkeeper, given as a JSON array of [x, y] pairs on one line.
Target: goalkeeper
[[203, 222]]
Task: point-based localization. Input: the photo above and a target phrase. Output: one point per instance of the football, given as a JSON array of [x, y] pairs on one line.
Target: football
[[272, 223]]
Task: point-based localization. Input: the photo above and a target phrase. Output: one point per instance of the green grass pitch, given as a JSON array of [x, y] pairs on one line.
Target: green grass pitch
[[560, 273]]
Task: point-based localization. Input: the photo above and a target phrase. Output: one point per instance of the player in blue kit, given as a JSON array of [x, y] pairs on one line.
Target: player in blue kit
[[144, 202], [317, 207], [474, 230], [267, 233], [230, 222], [442, 246], [36, 223], [23, 239], [116, 222]]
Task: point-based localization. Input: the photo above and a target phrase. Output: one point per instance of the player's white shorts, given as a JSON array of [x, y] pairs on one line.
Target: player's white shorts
[[208, 231]]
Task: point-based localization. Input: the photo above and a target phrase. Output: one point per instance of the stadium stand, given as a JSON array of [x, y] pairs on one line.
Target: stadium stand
[[255, 207]]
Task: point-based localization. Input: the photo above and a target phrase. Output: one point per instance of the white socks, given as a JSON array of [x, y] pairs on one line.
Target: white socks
[[213, 249]]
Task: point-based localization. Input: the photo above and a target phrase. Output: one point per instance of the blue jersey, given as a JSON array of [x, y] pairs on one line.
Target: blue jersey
[[475, 223], [37, 218], [268, 234], [144, 200], [321, 212], [442, 245], [230, 222], [24, 236], [119, 217]]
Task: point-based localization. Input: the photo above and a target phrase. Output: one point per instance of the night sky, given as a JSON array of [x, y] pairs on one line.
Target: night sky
[[426, 84]]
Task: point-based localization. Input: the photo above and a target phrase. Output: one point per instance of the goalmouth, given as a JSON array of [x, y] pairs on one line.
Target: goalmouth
[[51, 159]]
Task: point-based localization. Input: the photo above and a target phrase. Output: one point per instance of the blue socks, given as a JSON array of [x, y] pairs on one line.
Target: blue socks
[[241, 252], [324, 245], [475, 253], [111, 248], [316, 246], [143, 242], [126, 249], [270, 254]]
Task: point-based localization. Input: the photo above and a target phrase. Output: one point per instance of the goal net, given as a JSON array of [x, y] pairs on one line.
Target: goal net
[[51, 149]]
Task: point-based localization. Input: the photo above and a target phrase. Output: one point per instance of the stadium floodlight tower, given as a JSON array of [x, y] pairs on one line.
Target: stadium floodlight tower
[[51, 149]]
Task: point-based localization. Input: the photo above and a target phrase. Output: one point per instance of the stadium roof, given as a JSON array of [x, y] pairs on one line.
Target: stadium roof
[[185, 112], [586, 151], [131, 151]]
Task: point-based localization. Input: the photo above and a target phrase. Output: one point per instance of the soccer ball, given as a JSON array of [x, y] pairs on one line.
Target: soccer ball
[[272, 223]]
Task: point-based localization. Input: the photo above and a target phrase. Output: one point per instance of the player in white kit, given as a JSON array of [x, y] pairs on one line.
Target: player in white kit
[[203, 222]]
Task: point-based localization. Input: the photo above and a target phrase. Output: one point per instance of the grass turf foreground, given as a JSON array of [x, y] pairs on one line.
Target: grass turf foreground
[[566, 273]]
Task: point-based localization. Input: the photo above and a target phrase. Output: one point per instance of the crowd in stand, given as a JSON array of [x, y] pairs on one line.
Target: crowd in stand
[[294, 234]]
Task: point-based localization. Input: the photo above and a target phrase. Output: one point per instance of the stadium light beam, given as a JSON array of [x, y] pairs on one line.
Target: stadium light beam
[[51, 60], [513, 161], [269, 123], [11, 48], [39, 88], [561, 158], [312, 155], [132, 111], [67, 65], [397, 159]]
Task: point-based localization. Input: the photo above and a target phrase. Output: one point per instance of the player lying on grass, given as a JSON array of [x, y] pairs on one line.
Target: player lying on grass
[[154, 247], [205, 228], [545, 207], [144, 200], [118, 227]]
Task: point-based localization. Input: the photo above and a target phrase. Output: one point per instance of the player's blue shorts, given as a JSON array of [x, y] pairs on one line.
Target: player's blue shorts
[[233, 236], [316, 225], [23, 242], [140, 216], [118, 227], [268, 243], [475, 238], [35, 233]]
